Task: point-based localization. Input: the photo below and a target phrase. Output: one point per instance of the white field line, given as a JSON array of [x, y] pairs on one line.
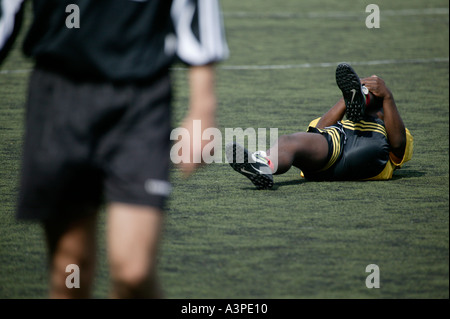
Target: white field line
[[313, 15], [335, 14], [295, 66], [15, 71], [332, 64]]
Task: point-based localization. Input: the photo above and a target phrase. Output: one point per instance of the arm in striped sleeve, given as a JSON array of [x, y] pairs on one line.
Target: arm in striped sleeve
[[11, 12], [200, 31]]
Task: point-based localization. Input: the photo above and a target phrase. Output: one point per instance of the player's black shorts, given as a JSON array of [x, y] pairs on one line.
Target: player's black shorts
[[357, 151], [87, 143]]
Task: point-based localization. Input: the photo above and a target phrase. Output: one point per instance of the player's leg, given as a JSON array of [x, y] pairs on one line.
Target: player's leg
[[256, 167], [59, 186], [137, 165], [306, 151], [133, 237], [71, 243]]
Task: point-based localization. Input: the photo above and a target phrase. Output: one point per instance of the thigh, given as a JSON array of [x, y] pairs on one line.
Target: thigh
[[311, 151], [133, 237], [72, 238], [335, 140]]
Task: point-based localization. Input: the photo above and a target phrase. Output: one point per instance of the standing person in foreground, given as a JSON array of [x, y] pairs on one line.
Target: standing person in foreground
[[369, 145], [98, 127]]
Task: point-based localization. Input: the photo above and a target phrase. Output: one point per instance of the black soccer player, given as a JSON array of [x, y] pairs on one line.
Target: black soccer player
[[98, 126], [369, 145]]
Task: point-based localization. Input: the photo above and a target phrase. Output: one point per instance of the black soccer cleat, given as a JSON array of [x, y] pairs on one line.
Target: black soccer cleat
[[255, 168], [352, 90]]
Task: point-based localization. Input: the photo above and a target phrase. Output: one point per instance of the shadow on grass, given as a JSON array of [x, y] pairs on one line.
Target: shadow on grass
[[277, 185], [400, 174], [407, 173]]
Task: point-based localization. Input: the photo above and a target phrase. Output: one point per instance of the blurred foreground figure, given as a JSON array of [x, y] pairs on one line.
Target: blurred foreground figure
[[98, 126]]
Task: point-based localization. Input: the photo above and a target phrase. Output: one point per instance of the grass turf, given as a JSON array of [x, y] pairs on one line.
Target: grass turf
[[223, 238]]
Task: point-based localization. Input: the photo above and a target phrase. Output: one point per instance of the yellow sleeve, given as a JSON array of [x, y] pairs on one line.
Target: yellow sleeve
[[314, 122], [395, 162], [408, 151]]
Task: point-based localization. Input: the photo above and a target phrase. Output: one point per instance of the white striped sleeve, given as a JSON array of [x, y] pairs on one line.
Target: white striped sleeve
[[200, 31], [9, 12]]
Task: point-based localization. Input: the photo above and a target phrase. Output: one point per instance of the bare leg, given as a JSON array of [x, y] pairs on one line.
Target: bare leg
[[133, 238], [306, 151], [73, 243]]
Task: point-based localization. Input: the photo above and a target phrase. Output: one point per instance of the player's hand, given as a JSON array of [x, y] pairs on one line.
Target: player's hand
[[377, 86]]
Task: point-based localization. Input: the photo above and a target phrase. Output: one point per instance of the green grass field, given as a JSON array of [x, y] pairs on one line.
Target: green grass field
[[223, 238]]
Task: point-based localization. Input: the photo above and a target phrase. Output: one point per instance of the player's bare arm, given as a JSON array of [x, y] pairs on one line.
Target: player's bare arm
[[203, 105], [395, 127], [335, 114]]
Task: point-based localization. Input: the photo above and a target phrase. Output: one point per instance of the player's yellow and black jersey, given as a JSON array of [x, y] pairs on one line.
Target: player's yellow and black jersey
[[358, 151]]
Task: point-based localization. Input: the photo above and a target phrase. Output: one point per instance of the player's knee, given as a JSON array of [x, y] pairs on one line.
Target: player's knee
[[131, 277], [71, 276]]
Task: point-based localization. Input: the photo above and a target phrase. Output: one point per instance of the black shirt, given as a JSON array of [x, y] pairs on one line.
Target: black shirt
[[124, 40]]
